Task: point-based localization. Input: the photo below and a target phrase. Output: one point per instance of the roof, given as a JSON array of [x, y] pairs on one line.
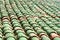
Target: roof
[[29, 20]]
